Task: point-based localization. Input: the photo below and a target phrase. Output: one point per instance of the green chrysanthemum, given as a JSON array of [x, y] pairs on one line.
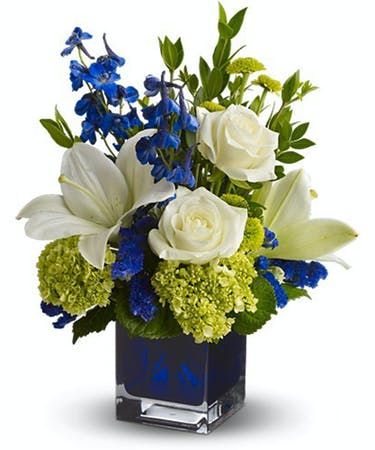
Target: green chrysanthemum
[[212, 106], [254, 230], [235, 200], [268, 83], [203, 296], [68, 280], [245, 65], [254, 235]]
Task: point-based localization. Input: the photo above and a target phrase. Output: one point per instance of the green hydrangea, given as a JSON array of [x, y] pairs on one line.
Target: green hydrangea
[[212, 106], [254, 230], [66, 279], [245, 65], [203, 297], [268, 83]]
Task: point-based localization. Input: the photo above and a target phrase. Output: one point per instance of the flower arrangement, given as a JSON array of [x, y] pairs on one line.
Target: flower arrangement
[[186, 221]]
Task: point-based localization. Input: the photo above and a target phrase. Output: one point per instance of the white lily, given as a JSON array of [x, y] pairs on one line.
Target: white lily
[[288, 209], [97, 198]]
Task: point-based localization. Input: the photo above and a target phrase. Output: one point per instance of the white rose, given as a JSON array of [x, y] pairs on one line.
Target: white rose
[[237, 143], [198, 227]]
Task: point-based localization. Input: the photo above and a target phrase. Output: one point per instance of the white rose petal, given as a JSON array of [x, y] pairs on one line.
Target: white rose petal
[[238, 144], [198, 227]]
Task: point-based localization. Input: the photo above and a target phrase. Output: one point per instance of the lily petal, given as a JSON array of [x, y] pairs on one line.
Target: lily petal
[[311, 239], [94, 247], [143, 189], [57, 225], [44, 203], [93, 187], [288, 201], [336, 259]]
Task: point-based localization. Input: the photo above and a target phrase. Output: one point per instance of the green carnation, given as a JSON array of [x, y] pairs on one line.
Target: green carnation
[[203, 298], [254, 230], [212, 106], [268, 83], [245, 65], [66, 279]]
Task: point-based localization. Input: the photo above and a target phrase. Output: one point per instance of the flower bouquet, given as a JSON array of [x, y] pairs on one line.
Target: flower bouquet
[[184, 228]]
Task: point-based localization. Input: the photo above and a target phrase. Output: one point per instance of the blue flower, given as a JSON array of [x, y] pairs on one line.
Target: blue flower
[[75, 40], [280, 294], [186, 121], [133, 118], [131, 253], [53, 311], [165, 140], [159, 171], [101, 75], [117, 124], [146, 151], [152, 85], [301, 273], [270, 240], [88, 132], [120, 61], [92, 106], [262, 263], [115, 93], [77, 71], [142, 298]]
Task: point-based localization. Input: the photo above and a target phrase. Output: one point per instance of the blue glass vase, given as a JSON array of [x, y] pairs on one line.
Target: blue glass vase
[[176, 383]]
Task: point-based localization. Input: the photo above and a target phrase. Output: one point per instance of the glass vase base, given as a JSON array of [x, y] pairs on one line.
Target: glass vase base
[[202, 419]]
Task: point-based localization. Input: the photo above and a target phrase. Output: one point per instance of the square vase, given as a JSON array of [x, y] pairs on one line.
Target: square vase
[[176, 383]]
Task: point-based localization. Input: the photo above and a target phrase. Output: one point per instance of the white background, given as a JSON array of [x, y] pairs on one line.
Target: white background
[[311, 371]]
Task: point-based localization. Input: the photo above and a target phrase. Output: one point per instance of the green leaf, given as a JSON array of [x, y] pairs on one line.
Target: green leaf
[[255, 104], [60, 120], [172, 54], [214, 83], [180, 53], [247, 322], [96, 320], [236, 22], [290, 87], [300, 131], [222, 14], [204, 71], [56, 133], [192, 83], [163, 326], [279, 172], [221, 53], [289, 157], [285, 130], [225, 30], [294, 292], [302, 143], [241, 184]]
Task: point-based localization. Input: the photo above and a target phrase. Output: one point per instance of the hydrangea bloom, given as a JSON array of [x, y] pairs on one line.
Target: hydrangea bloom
[[203, 296], [69, 281]]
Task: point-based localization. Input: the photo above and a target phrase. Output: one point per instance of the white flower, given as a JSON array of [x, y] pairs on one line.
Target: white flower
[[237, 143], [288, 208], [98, 197], [198, 227]]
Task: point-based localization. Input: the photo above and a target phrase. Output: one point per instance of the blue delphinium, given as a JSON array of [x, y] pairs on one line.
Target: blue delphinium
[[75, 40], [142, 298], [301, 273], [102, 78], [163, 150], [53, 311]]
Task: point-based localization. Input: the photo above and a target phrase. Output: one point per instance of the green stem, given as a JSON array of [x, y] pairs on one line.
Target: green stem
[[241, 93], [261, 101]]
